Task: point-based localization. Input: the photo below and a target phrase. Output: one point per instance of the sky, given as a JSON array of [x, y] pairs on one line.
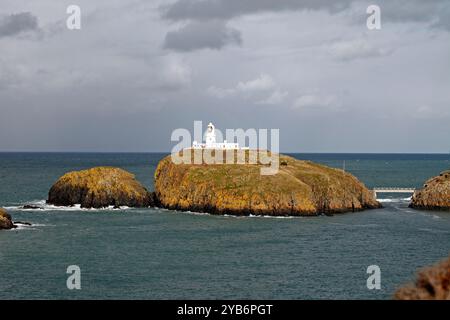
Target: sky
[[139, 69]]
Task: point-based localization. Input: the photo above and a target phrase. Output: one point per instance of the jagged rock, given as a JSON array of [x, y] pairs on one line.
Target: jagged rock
[[299, 188], [100, 187], [432, 283], [31, 206], [23, 223], [5, 220], [435, 194]]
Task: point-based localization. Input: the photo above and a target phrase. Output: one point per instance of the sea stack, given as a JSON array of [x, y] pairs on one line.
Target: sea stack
[[5, 220], [98, 188], [300, 188], [435, 194]]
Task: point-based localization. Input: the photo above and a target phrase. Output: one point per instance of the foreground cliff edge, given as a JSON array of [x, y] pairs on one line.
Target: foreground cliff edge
[[300, 188], [98, 188], [435, 194], [432, 283]]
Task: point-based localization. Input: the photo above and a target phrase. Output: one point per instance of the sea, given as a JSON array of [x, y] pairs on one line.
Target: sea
[[156, 253]]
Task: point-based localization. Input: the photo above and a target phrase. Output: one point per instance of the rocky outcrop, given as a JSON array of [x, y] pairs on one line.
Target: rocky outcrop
[[432, 283], [299, 188], [435, 194], [5, 220], [100, 187]]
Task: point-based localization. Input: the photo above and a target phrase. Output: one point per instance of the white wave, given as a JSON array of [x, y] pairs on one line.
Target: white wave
[[394, 199], [272, 217], [23, 227], [195, 213], [41, 205]]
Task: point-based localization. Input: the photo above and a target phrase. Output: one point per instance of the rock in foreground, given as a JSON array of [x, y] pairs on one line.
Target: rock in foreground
[[435, 194], [299, 188], [5, 220], [98, 188], [432, 283]]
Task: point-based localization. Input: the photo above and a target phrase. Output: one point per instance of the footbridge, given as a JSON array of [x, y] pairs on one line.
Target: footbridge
[[392, 190]]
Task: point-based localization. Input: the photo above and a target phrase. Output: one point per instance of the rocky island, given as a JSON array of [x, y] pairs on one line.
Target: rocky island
[[300, 188], [5, 220], [435, 194], [100, 187]]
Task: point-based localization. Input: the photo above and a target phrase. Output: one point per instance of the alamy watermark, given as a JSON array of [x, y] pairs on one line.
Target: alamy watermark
[[73, 22], [374, 19], [74, 280], [249, 146], [374, 280]]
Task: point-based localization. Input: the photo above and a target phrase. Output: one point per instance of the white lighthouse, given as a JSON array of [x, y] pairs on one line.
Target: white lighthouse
[[210, 141], [210, 136]]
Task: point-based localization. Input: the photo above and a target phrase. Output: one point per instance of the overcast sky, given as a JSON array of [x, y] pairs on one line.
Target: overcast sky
[[139, 69]]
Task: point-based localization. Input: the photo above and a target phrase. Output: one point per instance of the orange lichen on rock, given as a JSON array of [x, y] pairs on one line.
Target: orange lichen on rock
[[435, 194], [100, 187], [432, 283], [299, 188]]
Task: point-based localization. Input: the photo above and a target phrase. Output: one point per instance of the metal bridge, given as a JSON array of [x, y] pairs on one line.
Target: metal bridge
[[392, 190]]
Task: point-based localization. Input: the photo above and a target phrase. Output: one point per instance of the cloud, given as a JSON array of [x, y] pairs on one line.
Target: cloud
[[202, 35], [263, 82], [277, 97], [316, 101], [263, 88], [13, 24], [220, 92], [207, 19], [228, 9], [175, 74], [357, 49], [429, 112], [401, 11]]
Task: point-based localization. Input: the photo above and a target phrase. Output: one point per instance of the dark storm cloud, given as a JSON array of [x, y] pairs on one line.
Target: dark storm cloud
[[13, 24], [436, 12], [227, 9], [202, 35], [198, 34], [303, 66]]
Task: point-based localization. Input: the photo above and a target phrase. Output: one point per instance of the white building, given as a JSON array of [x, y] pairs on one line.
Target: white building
[[210, 139]]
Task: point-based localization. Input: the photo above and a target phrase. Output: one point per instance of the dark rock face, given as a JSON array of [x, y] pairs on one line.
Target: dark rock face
[[98, 188], [300, 188], [435, 194], [432, 283], [31, 206], [5, 220]]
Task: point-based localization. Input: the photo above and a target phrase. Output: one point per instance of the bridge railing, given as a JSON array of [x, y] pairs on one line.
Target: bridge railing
[[393, 189]]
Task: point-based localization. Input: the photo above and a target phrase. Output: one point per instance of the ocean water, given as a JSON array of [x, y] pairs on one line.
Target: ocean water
[[161, 254]]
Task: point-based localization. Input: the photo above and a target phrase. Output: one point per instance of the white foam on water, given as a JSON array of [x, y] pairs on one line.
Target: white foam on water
[[41, 205], [195, 213], [394, 200], [272, 217]]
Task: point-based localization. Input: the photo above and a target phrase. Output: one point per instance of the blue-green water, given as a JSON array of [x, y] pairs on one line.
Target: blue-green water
[[161, 254]]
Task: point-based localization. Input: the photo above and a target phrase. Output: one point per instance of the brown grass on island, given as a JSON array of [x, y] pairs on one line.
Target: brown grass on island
[[299, 188]]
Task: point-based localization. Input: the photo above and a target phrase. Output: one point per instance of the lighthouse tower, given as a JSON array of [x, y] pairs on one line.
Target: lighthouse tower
[[210, 141], [210, 136]]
